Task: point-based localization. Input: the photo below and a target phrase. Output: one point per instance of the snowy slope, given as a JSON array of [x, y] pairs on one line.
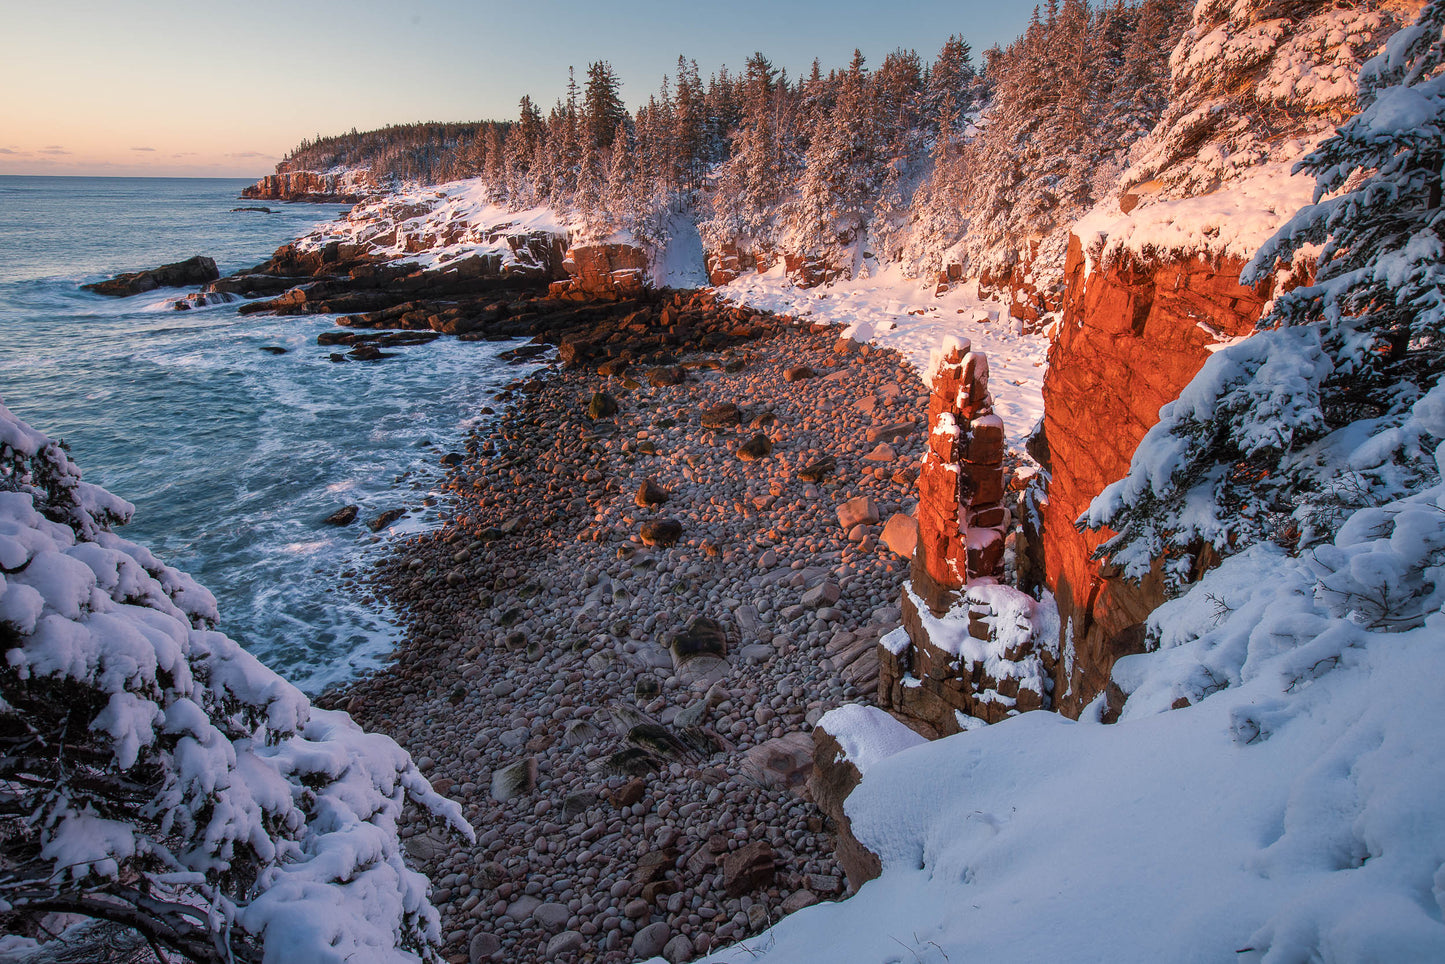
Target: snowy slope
[[437, 224], [1294, 816], [901, 313]]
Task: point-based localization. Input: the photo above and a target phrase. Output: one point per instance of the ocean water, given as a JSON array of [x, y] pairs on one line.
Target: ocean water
[[232, 455]]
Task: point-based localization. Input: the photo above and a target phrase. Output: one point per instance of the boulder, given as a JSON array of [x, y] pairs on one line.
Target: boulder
[[757, 447], [900, 534], [661, 532], [748, 868], [649, 493], [722, 415], [834, 777], [818, 470], [799, 899], [701, 637], [385, 519], [193, 271], [883, 452], [679, 949], [601, 405], [484, 947], [785, 762], [891, 432], [859, 511], [514, 780], [565, 944], [650, 940], [824, 594], [663, 377], [343, 516]]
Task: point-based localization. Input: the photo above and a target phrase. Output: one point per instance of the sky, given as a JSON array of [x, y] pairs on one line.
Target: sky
[[225, 88]]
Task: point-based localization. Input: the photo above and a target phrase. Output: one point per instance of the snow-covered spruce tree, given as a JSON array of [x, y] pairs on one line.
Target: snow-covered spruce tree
[[1247, 76], [1283, 435], [155, 774]]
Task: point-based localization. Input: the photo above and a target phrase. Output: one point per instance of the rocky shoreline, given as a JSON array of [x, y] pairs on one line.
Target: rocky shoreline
[[627, 724]]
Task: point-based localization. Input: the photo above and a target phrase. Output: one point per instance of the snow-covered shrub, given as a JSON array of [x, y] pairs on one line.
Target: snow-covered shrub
[[1284, 435], [154, 773]]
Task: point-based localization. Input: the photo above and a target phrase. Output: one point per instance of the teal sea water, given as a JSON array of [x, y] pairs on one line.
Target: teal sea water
[[232, 455]]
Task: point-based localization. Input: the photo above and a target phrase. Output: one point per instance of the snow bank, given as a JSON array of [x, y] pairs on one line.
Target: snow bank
[[890, 309], [867, 735], [242, 778], [1231, 222], [1291, 813], [434, 225]]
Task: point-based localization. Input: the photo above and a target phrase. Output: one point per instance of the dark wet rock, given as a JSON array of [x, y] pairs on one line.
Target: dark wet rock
[[701, 637], [649, 493], [180, 274], [270, 349], [601, 405], [370, 353], [386, 519], [343, 516], [723, 415], [818, 470], [663, 377], [661, 532], [757, 447], [524, 352]]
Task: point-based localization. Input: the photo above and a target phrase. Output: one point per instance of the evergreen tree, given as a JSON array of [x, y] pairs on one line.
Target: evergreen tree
[[603, 106], [1248, 76], [1282, 435], [155, 774]]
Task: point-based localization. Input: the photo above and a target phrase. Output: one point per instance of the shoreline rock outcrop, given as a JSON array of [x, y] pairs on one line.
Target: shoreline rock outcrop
[[197, 270], [347, 187]]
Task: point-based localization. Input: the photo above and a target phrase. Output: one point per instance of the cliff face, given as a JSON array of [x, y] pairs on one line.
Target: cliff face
[[348, 187], [1133, 335], [603, 270]]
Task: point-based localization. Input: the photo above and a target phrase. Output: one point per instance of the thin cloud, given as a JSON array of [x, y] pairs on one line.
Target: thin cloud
[[185, 154], [11, 150], [54, 149], [143, 148], [249, 154]]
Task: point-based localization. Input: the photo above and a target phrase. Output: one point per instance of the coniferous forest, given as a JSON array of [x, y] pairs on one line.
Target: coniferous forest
[[961, 158]]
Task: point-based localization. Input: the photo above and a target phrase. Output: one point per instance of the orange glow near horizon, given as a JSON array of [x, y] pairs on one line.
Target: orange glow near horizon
[[176, 88]]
